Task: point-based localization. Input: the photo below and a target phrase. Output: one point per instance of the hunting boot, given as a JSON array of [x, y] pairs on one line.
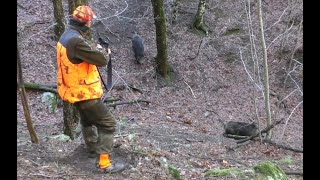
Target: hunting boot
[[105, 143], [90, 137], [106, 166]]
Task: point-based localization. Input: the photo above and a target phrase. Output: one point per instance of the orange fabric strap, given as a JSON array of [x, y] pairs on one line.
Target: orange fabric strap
[[104, 161]]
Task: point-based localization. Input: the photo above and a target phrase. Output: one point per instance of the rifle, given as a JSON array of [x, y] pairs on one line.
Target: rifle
[[109, 66]]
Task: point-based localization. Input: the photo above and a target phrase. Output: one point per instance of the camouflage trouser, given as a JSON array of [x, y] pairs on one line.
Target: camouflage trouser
[[96, 113]]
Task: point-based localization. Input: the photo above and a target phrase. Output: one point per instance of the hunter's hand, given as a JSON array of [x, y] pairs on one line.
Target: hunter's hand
[[99, 47]]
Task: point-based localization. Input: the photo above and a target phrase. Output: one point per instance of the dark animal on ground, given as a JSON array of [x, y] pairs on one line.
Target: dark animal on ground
[[240, 128], [138, 47]]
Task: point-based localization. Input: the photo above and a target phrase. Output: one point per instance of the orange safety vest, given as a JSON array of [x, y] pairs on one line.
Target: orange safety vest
[[77, 82]]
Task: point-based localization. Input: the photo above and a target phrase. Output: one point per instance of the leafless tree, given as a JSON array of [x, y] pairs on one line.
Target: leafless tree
[[22, 91]]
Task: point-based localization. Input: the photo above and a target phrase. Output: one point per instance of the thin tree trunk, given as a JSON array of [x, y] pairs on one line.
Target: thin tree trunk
[[32, 132], [59, 18], [198, 22], [161, 39], [175, 11], [266, 76]]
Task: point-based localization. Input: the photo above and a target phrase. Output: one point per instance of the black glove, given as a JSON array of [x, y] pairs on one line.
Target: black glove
[[103, 43]]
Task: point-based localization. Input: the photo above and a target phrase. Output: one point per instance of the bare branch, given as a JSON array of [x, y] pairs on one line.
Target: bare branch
[[117, 14], [46, 29], [284, 128], [296, 84], [278, 19], [190, 89], [280, 36], [252, 44], [283, 146], [288, 95], [128, 88], [245, 68]]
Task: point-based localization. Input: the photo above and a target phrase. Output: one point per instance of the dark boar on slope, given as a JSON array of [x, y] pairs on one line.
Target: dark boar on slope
[[138, 47]]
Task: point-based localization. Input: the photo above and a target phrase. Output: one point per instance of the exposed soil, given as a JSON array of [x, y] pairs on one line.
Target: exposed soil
[[180, 126]]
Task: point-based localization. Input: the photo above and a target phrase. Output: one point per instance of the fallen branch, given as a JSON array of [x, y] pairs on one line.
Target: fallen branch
[[110, 101], [190, 89], [35, 86], [234, 136], [283, 146], [265, 130], [43, 175], [293, 173], [22, 7], [122, 87], [198, 50], [53, 88], [127, 102]]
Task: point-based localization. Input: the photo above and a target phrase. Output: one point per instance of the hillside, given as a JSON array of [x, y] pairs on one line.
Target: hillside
[[180, 127]]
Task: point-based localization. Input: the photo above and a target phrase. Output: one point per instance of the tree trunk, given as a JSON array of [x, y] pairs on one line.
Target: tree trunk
[[59, 18], [71, 119], [73, 4], [32, 132], [266, 77], [71, 116], [198, 22], [175, 11], [161, 39]]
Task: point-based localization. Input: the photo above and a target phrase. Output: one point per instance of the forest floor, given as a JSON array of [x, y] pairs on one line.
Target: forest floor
[[180, 126]]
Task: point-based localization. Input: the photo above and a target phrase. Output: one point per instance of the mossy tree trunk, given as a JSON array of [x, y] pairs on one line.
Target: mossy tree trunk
[[161, 39], [175, 11], [71, 116], [22, 91], [198, 22], [59, 18]]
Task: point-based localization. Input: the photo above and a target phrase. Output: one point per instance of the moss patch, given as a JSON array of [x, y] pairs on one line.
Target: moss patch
[[287, 160], [268, 171], [232, 31], [174, 172]]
